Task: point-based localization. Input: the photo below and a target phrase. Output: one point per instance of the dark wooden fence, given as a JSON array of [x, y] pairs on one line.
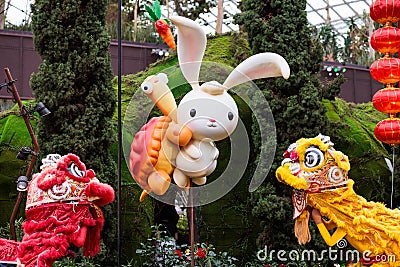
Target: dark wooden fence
[[18, 54], [359, 86]]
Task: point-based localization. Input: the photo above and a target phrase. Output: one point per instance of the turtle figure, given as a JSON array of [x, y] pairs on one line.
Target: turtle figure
[[161, 137]]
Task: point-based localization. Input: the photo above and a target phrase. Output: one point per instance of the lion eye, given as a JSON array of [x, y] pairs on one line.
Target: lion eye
[[335, 175], [75, 171], [313, 157]]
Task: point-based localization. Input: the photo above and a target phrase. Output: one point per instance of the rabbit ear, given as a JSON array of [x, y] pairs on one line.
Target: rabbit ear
[[262, 65], [190, 48]]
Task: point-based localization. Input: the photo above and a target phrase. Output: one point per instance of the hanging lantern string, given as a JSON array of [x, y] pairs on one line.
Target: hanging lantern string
[[386, 70], [392, 191]]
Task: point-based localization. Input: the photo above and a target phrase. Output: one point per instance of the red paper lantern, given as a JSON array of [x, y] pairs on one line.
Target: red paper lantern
[[386, 70], [388, 131], [383, 11], [386, 40], [387, 100]]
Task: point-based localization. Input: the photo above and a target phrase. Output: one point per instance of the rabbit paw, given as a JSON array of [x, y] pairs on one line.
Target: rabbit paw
[[192, 150], [199, 180], [180, 178]]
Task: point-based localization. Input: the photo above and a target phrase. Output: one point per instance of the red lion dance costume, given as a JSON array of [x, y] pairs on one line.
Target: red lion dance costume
[[62, 208]]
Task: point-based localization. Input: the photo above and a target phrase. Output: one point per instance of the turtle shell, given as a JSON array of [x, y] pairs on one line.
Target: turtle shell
[[145, 149]]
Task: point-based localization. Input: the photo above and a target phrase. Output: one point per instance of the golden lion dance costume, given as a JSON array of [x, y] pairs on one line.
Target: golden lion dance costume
[[318, 174], [62, 208]]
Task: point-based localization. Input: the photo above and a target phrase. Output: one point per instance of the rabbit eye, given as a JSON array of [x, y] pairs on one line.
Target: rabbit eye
[[192, 112], [230, 116]]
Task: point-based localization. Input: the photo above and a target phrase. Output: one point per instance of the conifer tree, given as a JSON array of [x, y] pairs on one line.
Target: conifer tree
[[281, 26], [75, 83]]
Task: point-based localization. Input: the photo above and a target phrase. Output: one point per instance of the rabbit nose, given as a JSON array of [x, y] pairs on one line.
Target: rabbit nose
[[212, 120]]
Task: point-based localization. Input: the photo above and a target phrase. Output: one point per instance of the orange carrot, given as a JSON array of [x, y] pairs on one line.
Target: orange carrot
[[162, 25], [164, 30]]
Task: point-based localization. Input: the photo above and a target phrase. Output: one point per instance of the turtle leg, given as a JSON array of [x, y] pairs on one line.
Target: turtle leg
[[159, 181], [143, 195], [181, 179], [199, 180]]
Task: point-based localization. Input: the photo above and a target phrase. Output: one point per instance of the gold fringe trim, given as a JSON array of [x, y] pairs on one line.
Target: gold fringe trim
[[369, 225], [301, 229], [342, 160]]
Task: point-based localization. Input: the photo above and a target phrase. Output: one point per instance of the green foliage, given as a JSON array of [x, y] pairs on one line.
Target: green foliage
[[281, 26], [74, 261], [5, 230], [328, 38], [75, 83], [356, 49], [163, 251]]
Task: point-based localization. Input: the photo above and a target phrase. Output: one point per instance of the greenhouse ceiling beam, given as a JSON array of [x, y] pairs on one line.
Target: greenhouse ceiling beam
[[213, 22], [338, 24], [331, 8], [347, 3]]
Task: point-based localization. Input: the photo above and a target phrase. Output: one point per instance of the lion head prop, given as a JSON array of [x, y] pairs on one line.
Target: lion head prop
[[319, 176], [62, 208]]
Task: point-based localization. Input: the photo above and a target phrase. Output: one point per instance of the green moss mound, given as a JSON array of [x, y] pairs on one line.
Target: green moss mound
[[352, 132], [13, 135]]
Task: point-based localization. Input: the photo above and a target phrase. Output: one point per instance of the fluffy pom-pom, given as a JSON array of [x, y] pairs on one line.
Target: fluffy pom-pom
[[101, 194]]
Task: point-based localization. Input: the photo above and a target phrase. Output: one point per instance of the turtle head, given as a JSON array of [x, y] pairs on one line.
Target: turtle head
[[156, 87]]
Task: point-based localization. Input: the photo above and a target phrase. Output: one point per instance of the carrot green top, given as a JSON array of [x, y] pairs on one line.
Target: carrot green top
[[154, 12]]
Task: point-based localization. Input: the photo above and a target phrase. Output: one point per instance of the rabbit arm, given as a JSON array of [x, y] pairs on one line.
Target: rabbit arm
[[216, 155], [178, 134], [192, 151]]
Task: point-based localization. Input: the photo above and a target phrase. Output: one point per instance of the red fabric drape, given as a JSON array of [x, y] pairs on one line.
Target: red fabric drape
[[50, 228]]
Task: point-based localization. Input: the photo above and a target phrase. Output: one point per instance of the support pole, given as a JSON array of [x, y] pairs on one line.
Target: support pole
[[25, 116], [119, 132], [192, 223]]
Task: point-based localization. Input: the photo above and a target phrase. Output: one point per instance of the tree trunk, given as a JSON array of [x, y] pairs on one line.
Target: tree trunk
[[220, 16], [2, 14], [328, 15], [167, 5], [135, 12]]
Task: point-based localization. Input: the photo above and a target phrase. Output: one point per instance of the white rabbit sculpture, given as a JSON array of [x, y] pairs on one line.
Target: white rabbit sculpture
[[207, 111]]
